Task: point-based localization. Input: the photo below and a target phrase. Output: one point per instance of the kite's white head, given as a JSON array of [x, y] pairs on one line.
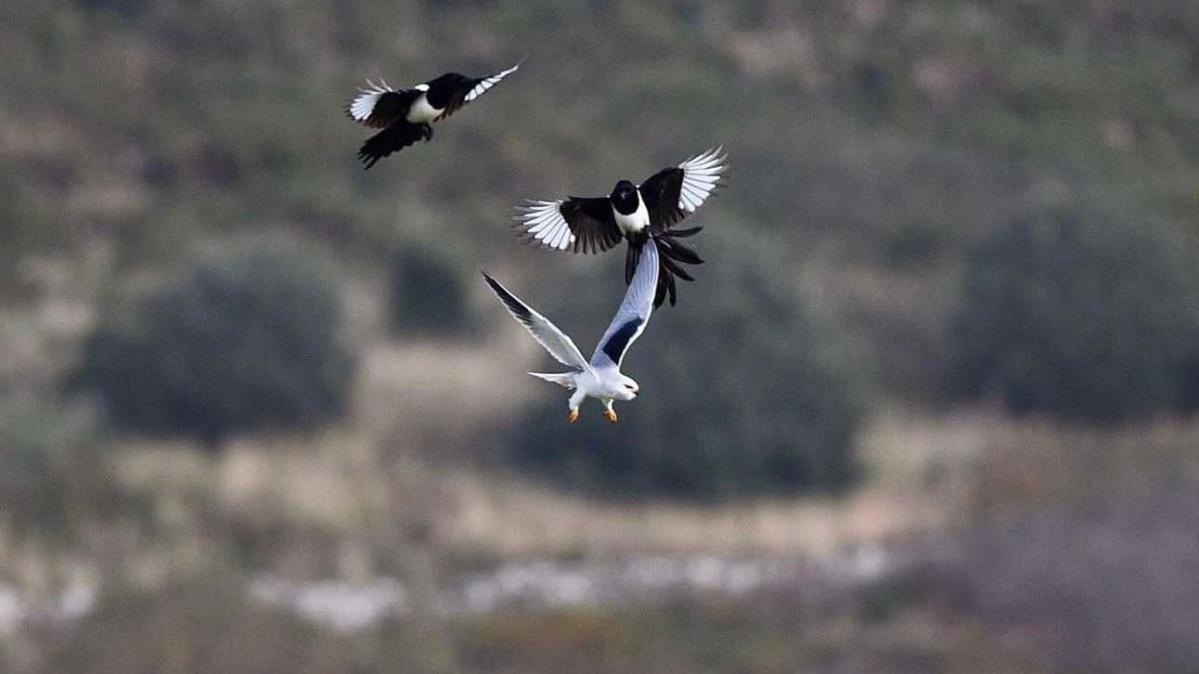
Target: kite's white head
[[628, 388]]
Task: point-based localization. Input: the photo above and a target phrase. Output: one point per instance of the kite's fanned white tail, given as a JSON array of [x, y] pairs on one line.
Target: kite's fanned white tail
[[563, 379]]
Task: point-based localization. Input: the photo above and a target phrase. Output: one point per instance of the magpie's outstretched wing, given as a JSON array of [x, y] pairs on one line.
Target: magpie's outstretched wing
[[676, 192], [452, 91], [379, 106], [581, 224]]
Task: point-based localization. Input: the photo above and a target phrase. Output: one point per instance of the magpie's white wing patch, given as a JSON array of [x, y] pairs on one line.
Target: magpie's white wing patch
[[701, 175], [363, 105], [452, 91], [676, 192], [543, 224], [487, 83], [580, 224]]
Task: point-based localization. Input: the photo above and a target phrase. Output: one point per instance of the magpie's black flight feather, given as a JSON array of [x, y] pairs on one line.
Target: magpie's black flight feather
[[394, 138]]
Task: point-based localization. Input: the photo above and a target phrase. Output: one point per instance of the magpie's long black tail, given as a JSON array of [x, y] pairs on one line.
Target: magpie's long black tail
[[392, 139], [672, 255]]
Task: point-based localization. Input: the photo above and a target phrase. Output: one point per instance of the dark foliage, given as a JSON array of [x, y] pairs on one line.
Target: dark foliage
[[1076, 312], [427, 295], [740, 396], [238, 341]]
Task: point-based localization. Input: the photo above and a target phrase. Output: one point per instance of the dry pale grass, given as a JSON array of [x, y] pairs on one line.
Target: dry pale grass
[[435, 391], [345, 482], [918, 475], [408, 389], [1037, 463], [924, 473], [513, 518]]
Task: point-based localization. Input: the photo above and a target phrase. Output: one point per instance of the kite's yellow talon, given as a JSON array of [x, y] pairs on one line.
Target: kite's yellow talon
[[610, 414], [573, 416]]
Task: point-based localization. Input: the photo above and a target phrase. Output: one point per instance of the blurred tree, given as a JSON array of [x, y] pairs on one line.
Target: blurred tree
[[427, 296], [240, 340], [1076, 311], [741, 395]]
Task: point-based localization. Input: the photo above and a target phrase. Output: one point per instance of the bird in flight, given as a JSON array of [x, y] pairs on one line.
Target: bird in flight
[[636, 213], [600, 377], [406, 115]]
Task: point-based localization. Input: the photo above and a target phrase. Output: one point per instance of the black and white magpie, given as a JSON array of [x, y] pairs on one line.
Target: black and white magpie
[[406, 115], [636, 213]]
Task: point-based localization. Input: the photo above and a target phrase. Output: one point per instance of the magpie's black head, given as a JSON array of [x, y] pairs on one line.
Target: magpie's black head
[[624, 198]]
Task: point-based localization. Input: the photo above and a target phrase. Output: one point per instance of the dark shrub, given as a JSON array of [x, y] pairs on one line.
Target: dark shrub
[[1077, 313], [427, 296], [740, 394], [244, 340]]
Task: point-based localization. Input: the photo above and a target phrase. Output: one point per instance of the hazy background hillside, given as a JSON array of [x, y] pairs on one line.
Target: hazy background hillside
[[929, 405]]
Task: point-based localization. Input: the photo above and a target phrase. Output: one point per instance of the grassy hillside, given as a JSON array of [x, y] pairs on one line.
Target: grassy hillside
[[800, 396], [870, 141]]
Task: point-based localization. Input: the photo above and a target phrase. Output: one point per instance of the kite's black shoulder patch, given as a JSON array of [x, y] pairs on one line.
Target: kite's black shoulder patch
[[615, 346]]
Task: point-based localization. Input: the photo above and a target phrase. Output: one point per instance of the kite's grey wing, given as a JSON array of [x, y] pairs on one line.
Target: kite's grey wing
[[546, 333], [633, 313]]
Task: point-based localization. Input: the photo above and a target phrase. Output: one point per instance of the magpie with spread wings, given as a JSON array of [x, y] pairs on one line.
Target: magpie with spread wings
[[635, 213], [406, 115]]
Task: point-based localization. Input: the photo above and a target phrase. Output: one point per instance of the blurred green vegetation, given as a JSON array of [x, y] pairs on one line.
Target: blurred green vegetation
[[248, 336], [875, 139], [428, 297], [891, 166], [1085, 312]]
